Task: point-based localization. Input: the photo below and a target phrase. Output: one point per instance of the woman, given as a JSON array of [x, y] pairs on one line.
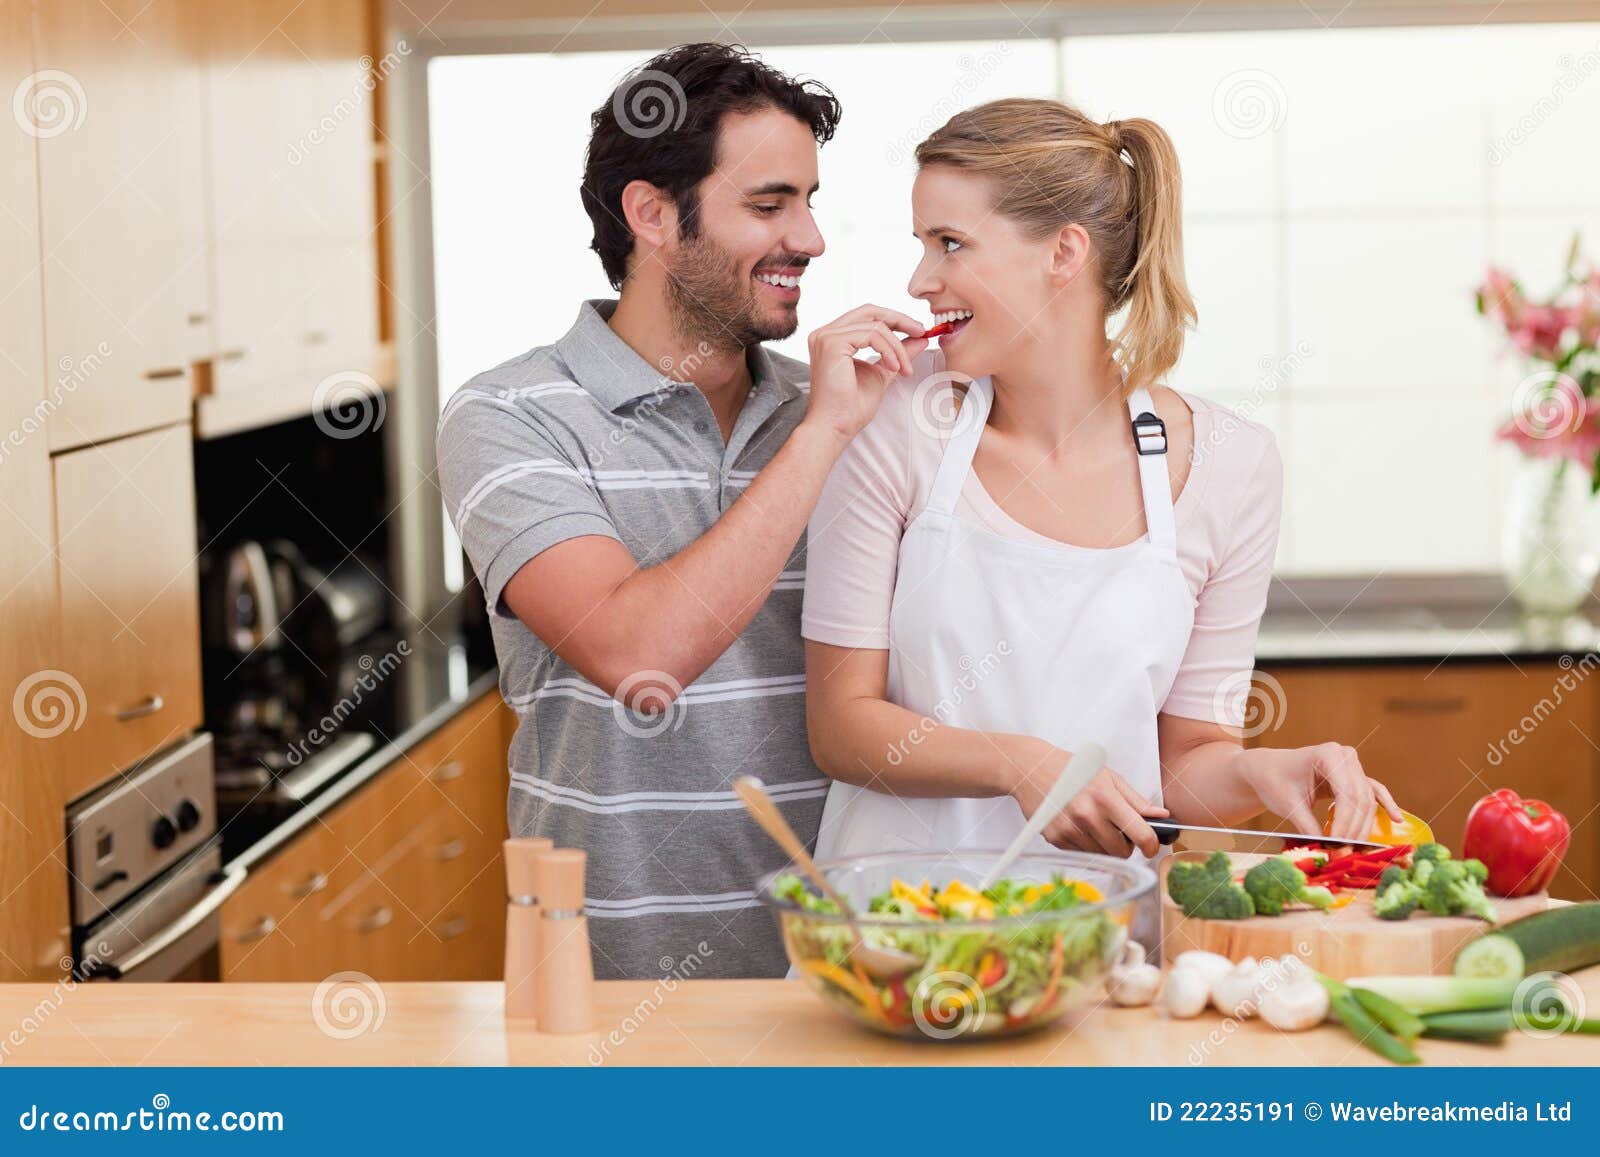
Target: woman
[[1063, 551]]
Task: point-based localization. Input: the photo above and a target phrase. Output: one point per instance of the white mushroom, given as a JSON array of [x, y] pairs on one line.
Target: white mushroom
[[1211, 965], [1132, 982], [1236, 993], [1186, 992], [1300, 1004]]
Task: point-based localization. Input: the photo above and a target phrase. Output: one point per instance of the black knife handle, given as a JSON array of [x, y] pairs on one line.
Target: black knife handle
[[1166, 831]]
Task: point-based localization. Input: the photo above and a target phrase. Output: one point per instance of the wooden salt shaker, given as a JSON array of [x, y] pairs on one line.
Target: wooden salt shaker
[[522, 926], [565, 980]]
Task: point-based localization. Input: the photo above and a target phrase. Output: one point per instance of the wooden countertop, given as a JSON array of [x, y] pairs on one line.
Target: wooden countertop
[[695, 1022]]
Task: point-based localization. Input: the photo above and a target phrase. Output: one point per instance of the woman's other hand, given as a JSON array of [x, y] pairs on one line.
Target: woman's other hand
[[1289, 781], [1107, 816]]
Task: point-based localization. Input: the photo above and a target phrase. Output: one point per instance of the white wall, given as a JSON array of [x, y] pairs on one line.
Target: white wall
[[1344, 190]]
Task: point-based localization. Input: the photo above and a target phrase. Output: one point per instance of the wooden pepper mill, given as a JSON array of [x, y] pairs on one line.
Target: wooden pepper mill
[[523, 953], [565, 979]]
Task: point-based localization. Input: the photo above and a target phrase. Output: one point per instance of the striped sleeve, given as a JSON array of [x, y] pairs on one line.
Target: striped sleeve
[[509, 488]]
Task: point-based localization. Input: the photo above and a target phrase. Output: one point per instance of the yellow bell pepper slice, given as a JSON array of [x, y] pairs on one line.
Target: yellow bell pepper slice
[[856, 986]]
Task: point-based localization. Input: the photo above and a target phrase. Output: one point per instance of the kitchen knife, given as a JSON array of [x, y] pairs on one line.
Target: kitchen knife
[[1167, 831]]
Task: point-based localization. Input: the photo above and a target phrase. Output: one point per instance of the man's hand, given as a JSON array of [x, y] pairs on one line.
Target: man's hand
[[845, 391]]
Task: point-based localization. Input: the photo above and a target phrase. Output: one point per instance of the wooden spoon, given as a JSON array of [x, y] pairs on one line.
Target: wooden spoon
[[880, 963]]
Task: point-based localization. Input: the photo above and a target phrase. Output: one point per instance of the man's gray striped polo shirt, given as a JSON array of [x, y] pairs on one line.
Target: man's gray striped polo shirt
[[585, 437]]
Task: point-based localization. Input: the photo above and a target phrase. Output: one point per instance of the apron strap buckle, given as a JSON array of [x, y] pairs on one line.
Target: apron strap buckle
[[1149, 434]]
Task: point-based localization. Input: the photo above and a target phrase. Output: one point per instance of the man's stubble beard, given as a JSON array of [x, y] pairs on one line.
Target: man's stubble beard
[[711, 301]]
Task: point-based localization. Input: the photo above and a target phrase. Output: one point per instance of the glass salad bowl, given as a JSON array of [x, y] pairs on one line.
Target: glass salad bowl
[[980, 965]]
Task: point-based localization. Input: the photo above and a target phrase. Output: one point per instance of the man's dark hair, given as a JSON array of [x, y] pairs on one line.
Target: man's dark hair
[[660, 125]]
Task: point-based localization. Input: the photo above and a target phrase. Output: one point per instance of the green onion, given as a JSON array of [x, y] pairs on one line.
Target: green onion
[[1423, 995], [1401, 1021]]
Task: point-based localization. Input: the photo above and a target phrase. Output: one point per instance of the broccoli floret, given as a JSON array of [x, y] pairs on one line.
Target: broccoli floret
[[1397, 901], [1228, 903], [1452, 890], [1477, 869], [1420, 872], [1276, 882], [1207, 889], [1425, 853], [1393, 874]]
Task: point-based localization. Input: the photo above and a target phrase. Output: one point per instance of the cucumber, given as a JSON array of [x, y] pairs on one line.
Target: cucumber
[[1561, 939], [1491, 955]]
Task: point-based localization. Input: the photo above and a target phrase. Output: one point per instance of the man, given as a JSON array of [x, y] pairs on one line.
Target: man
[[633, 500]]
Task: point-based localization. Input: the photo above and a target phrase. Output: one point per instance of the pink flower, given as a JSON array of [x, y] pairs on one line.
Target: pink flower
[[1537, 332], [1501, 296]]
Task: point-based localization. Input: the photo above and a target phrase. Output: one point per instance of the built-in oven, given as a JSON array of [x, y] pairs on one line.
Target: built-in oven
[[145, 864]]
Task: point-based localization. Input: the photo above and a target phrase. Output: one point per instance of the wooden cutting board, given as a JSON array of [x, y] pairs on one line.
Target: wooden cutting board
[[1343, 942]]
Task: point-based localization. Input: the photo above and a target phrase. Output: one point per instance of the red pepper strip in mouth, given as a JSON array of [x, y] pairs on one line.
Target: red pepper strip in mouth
[[939, 330]]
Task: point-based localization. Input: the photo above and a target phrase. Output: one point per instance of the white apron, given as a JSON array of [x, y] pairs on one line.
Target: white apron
[[1066, 643]]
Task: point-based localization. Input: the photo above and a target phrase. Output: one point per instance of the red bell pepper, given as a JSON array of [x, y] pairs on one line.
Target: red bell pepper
[[1521, 841]]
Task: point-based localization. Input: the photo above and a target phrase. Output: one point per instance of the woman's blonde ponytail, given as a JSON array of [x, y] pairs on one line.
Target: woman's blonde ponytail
[[1159, 306]]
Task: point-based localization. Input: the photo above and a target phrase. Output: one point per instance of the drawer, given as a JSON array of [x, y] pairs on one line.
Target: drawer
[[130, 608], [277, 926]]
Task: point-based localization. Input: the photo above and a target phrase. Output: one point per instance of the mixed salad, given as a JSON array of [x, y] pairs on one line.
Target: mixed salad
[[970, 980]]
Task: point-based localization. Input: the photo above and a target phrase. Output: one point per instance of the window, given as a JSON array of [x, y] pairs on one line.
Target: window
[[1344, 190]]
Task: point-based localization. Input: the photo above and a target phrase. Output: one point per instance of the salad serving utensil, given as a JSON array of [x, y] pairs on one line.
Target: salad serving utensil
[[880, 963], [1084, 765]]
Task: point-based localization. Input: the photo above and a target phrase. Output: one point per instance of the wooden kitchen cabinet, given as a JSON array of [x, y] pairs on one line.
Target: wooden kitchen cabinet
[[1441, 737], [291, 187], [402, 881], [130, 606], [33, 916], [122, 215]]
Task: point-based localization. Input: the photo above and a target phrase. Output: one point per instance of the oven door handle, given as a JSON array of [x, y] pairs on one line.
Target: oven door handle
[[228, 881]]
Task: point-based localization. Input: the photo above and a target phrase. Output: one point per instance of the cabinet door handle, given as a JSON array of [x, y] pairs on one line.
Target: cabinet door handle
[[231, 356], [260, 930], [1404, 705], [313, 884], [453, 770], [198, 319], [450, 850], [380, 917], [316, 337], [454, 927], [165, 373], [149, 705]]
